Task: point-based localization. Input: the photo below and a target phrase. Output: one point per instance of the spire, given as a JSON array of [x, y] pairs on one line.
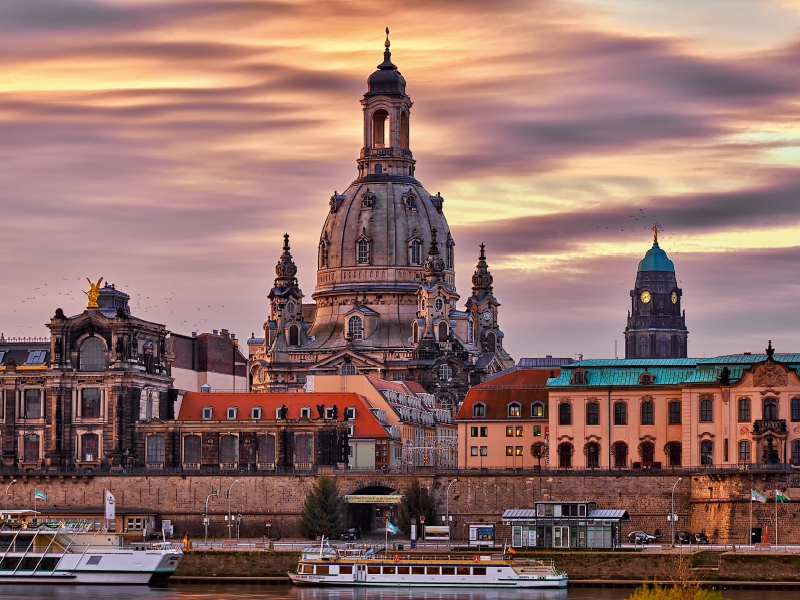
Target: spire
[[285, 269], [434, 265], [482, 279], [387, 56]]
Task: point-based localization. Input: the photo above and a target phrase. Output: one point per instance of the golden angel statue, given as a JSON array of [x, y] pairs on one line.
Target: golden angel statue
[[94, 292]]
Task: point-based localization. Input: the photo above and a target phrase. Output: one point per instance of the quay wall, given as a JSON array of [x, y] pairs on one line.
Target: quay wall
[[716, 503]]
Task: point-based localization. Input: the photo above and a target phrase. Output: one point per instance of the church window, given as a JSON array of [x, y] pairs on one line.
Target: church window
[[620, 413], [565, 413], [515, 409], [228, 449], [438, 304], [674, 413], [355, 327], [450, 254], [33, 404], [706, 410], [415, 332], [770, 412], [294, 335], [155, 449], [404, 130], [442, 331], [363, 251], [93, 354], [744, 451], [303, 448], [744, 410], [266, 448], [348, 369], [415, 250], [410, 201], [90, 403], [479, 410], [647, 413], [445, 373], [491, 342], [706, 452], [470, 332], [593, 413], [380, 128], [795, 409]]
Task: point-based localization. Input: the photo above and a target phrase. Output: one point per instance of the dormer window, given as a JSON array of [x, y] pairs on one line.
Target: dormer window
[[645, 379], [479, 410], [514, 409], [363, 252], [255, 414], [350, 413], [579, 378], [305, 412], [537, 410], [329, 413], [232, 411], [208, 412], [415, 252]]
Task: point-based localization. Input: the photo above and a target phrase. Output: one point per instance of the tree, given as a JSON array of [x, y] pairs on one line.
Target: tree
[[322, 510], [685, 585], [416, 502]]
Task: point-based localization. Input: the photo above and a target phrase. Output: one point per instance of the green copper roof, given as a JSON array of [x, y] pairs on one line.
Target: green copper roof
[[656, 260]]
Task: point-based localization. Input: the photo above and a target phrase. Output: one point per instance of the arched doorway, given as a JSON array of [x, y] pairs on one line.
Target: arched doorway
[[371, 511]]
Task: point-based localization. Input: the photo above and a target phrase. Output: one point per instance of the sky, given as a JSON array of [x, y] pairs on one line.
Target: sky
[[167, 146]]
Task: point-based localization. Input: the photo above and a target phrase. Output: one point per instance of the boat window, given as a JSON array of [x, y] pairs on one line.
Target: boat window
[[479, 570], [433, 570], [9, 563], [388, 570], [373, 570], [402, 570], [462, 571], [346, 570], [448, 570], [307, 569], [418, 570], [94, 560], [48, 564], [323, 569]]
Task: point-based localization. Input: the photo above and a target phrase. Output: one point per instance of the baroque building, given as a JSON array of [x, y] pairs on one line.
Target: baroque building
[[656, 324], [385, 301]]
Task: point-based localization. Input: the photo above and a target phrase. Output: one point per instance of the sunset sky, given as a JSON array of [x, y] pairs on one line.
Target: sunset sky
[[167, 146]]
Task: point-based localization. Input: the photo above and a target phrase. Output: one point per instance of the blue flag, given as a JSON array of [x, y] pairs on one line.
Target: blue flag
[[390, 527], [39, 495]]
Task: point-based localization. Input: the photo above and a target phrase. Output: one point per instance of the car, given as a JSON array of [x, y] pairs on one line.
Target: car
[[700, 538], [640, 537], [351, 533], [683, 537], [156, 535]]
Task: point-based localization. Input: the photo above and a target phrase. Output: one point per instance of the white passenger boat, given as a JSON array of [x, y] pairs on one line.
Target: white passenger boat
[[352, 566], [72, 554]]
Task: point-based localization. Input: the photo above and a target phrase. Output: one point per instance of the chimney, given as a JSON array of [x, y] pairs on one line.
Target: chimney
[[224, 332], [194, 334], [215, 331]]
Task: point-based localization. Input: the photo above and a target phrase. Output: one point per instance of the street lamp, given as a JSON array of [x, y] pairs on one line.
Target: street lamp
[[13, 481], [230, 523], [214, 494], [672, 515], [447, 510], [483, 453]]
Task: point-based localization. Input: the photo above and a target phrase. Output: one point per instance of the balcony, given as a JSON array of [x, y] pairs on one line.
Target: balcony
[[773, 425]]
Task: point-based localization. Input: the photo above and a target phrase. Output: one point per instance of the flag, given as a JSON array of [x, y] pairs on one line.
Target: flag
[[186, 541], [111, 509], [781, 497], [390, 527], [39, 495], [512, 551], [757, 496]]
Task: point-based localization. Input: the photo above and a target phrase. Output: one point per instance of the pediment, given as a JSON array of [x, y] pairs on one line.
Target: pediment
[[336, 359]]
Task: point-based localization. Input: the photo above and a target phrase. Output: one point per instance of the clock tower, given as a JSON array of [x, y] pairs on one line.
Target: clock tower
[[656, 323], [482, 307]]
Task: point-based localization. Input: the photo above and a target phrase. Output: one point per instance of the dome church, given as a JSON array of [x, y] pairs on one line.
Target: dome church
[[385, 301]]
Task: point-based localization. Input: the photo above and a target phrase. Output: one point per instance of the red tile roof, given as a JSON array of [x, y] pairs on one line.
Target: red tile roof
[[525, 386], [415, 387], [366, 425], [384, 384]]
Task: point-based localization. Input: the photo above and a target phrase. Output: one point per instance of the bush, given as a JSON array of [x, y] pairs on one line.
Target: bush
[[416, 502], [322, 510]]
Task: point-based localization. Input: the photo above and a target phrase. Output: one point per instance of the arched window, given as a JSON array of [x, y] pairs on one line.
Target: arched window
[[706, 410], [415, 332], [445, 373], [744, 410], [620, 452], [592, 452], [363, 251], [266, 448], [491, 342], [795, 409], [479, 409], [770, 412], [294, 335], [93, 355], [673, 452], [442, 331], [380, 128], [404, 130], [415, 252], [578, 378], [537, 410], [706, 452], [228, 449], [565, 451], [323, 256], [565, 413], [155, 449], [355, 327], [378, 169], [30, 448], [648, 410], [744, 451], [515, 409], [191, 449], [647, 452], [620, 413], [593, 413], [348, 369], [90, 447]]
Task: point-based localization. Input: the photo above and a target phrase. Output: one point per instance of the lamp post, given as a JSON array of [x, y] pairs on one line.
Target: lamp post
[[672, 515], [214, 494], [230, 523], [447, 510], [13, 481]]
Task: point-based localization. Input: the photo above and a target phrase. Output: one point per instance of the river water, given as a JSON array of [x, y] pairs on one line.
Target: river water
[[286, 592]]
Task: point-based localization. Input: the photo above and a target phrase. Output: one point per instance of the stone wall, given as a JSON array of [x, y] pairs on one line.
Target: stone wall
[[237, 564], [717, 504]]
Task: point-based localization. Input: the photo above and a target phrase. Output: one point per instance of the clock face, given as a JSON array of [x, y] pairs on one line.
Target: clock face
[[487, 315], [645, 297], [674, 298]]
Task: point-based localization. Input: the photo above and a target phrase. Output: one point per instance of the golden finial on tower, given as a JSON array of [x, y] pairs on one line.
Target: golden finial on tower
[[655, 233], [94, 292], [387, 43]]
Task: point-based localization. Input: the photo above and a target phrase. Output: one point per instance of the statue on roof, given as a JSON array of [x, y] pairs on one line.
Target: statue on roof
[[94, 292]]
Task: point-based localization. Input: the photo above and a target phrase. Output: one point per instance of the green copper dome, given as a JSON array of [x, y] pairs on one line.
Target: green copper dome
[[656, 260]]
